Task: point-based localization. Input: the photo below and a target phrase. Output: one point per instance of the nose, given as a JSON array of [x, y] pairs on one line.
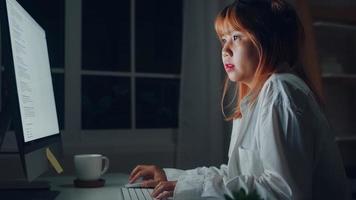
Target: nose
[[226, 50]]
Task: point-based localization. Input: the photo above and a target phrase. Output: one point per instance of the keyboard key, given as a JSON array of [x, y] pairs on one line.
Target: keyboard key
[[139, 194], [133, 194], [126, 194], [147, 194]]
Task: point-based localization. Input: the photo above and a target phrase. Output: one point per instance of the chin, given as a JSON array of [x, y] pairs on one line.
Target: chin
[[232, 78]]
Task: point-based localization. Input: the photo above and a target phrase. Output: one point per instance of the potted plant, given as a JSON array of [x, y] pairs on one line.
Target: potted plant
[[242, 195]]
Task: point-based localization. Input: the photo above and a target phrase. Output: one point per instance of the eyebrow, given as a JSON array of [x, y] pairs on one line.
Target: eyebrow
[[232, 32], [235, 31]]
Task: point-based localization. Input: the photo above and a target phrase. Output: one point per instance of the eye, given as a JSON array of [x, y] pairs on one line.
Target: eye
[[223, 41], [236, 37]]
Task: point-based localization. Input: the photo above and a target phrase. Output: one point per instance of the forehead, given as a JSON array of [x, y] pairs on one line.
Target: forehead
[[224, 26], [231, 32]]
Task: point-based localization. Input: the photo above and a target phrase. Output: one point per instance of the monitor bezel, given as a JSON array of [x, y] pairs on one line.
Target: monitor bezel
[[10, 95]]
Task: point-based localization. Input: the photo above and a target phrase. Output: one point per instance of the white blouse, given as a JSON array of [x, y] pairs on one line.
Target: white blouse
[[282, 147]]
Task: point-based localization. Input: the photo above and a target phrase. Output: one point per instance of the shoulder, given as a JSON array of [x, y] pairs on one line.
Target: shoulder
[[285, 89]]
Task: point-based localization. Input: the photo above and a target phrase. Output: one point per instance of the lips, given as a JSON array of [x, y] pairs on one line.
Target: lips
[[229, 67]]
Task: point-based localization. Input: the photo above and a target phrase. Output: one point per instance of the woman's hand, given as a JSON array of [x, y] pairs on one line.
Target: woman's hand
[[164, 190], [150, 174]]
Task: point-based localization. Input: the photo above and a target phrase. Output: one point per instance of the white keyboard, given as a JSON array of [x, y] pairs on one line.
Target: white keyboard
[[137, 193]]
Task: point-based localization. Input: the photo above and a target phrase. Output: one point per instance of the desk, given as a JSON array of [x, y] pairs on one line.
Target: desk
[[111, 190]]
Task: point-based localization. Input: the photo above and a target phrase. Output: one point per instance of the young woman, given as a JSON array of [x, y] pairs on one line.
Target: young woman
[[281, 144]]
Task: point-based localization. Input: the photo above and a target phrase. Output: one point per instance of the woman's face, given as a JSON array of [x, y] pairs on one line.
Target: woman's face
[[240, 57]]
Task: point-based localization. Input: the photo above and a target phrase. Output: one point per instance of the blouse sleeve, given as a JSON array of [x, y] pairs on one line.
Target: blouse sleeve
[[201, 183], [286, 149], [284, 152]]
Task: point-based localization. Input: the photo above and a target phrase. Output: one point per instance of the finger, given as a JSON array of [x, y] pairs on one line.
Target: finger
[[165, 195], [138, 175], [143, 173], [161, 187], [164, 185], [157, 190], [135, 171], [138, 169], [134, 177], [149, 184]]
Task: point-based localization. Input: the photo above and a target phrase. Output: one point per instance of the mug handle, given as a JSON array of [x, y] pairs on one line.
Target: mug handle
[[106, 164]]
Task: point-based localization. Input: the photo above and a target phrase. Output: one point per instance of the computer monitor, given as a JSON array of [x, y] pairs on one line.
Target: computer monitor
[[27, 97]]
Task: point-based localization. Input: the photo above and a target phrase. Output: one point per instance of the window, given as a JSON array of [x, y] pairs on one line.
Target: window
[[116, 76], [131, 52]]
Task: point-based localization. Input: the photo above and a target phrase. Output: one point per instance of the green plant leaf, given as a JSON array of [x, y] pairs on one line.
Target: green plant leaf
[[241, 195]]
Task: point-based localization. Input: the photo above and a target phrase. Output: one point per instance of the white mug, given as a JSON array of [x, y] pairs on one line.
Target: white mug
[[90, 167]]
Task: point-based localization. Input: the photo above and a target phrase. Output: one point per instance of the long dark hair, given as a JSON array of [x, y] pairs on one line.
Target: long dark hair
[[277, 33]]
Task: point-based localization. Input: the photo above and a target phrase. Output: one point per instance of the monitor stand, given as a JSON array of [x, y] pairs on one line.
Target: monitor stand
[[24, 185], [22, 176], [18, 179], [19, 190], [5, 122]]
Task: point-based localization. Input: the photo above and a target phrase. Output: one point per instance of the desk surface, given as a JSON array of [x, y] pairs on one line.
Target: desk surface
[[111, 190]]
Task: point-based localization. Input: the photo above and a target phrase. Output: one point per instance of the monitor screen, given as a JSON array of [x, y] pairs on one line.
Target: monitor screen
[[32, 74], [27, 97]]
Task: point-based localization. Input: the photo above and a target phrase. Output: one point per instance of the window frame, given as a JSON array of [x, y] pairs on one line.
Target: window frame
[[132, 140]]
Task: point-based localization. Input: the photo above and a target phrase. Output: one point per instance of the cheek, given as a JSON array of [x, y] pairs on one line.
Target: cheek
[[241, 59], [253, 53], [253, 58], [238, 56]]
